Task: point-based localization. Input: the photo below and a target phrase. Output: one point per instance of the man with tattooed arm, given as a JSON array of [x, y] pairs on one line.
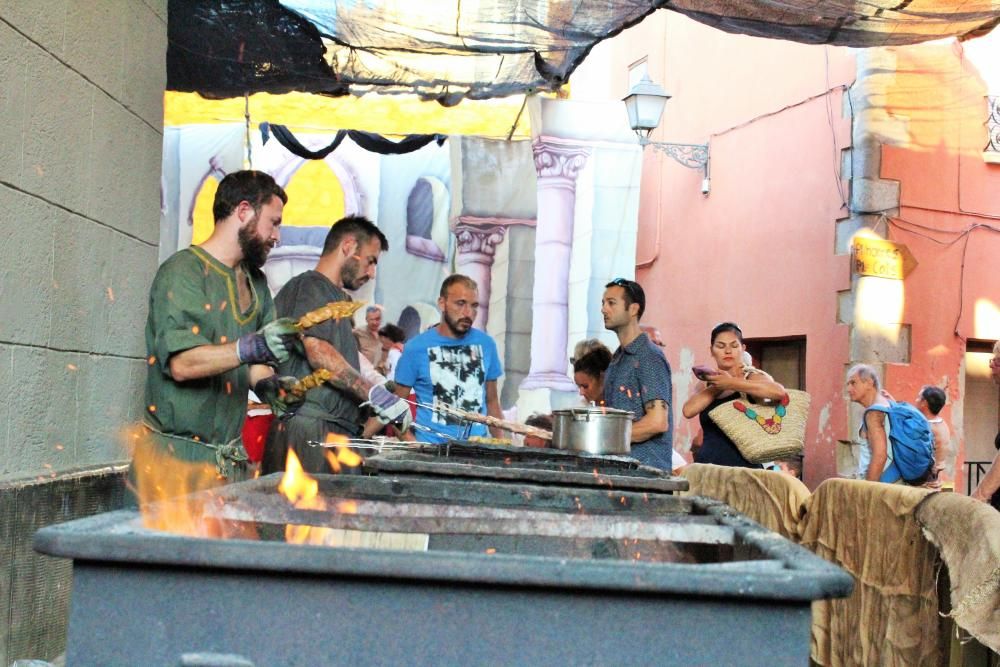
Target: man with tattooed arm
[[348, 260]]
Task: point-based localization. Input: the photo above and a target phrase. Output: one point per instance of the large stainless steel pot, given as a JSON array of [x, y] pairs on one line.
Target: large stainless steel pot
[[593, 430]]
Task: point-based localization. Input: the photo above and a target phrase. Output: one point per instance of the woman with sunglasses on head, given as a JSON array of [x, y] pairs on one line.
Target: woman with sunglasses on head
[[723, 384]]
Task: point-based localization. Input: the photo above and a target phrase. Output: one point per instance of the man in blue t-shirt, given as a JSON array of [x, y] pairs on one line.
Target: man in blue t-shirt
[[452, 365]]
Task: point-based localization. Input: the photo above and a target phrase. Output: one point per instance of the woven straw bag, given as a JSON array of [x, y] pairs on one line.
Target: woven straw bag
[[765, 432]]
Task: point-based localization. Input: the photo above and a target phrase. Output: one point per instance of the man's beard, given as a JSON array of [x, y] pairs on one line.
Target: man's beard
[[351, 275], [457, 327], [254, 248]]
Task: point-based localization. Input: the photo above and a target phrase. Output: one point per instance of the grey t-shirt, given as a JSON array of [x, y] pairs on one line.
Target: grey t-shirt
[[308, 291]]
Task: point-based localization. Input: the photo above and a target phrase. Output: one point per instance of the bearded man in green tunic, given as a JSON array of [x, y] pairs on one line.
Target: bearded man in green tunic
[[211, 332]]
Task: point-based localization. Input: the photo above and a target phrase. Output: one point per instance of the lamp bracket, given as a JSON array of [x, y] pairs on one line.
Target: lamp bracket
[[693, 156]]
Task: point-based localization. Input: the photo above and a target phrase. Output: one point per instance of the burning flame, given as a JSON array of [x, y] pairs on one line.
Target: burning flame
[[176, 496], [169, 492], [302, 491], [341, 453]]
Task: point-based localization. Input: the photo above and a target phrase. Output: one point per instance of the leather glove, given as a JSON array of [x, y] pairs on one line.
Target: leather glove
[[271, 344], [389, 408], [276, 391]]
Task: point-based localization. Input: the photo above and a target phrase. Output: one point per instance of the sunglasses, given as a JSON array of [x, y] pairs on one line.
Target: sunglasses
[[630, 286]]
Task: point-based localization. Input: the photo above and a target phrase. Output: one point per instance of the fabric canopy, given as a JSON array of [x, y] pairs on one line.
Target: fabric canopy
[[449, 50]]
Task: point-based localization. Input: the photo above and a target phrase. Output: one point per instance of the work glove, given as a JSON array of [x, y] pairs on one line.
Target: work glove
[[389, 408], [276, 391], [271, 344]]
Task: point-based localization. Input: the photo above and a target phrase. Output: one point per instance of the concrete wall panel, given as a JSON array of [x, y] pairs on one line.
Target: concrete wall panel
[[130, 278], [26, 264], [122, 171], [41, 21], [14, 59], [146, 77], [159, 7], [135, 392], [81, 94], [82, 103], [57, 134], [95, 42], [103, 408], [80, 272], [44, 436], [6, 380]]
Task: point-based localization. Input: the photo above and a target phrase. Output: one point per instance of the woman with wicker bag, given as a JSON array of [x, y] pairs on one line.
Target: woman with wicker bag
[[725, 383]]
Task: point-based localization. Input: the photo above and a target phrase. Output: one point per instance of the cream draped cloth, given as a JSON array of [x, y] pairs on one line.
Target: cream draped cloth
[[893, 540]]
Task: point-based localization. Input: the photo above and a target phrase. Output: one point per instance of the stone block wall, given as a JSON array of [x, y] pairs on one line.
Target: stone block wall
[[80, 158]]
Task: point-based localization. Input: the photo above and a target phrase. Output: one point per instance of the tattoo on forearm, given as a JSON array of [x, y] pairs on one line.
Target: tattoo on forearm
[[657, 402], [348, 379], [344, 375]]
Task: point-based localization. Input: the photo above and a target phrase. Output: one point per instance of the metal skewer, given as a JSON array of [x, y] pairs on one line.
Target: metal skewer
[[376, 444], [456, 414]]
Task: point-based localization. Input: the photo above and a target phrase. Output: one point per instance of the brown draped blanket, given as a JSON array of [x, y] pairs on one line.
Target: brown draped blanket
[[871, 530], [967, 534], [772, 499]]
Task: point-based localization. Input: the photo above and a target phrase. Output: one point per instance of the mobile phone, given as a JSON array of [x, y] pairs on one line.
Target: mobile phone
[[704, 372]]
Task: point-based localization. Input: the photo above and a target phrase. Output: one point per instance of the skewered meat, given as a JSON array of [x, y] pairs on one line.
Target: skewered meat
[[311, 381], [334, 310]]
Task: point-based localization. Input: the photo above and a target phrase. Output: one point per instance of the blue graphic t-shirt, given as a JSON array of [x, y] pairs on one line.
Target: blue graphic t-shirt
[[453, 371]]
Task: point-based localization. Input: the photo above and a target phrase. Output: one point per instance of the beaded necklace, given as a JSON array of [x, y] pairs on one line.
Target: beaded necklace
[[770, 425]]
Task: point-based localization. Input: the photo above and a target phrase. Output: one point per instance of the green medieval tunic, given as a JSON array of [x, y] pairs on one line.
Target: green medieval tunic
[[194, 301]]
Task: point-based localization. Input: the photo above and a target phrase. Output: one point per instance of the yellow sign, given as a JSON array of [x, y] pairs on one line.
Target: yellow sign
[[882, 259]]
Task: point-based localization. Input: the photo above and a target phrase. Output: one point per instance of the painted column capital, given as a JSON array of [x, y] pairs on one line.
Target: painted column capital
[[559, 161], [479, 239]]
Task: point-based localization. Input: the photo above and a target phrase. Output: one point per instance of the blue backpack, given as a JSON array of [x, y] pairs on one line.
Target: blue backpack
[[912, 444]]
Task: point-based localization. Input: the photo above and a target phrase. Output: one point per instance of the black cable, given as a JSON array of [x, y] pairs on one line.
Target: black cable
[[833, 131], [965, 234]]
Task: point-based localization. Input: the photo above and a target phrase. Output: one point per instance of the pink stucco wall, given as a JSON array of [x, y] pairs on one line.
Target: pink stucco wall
[[949, 196], [759, 249]]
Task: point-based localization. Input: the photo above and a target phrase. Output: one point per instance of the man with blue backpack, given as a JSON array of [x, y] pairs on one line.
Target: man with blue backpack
[[897, 444]]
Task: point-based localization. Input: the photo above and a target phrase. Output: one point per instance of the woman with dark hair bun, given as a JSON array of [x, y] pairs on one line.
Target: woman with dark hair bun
[[723, 384], [588, 374]]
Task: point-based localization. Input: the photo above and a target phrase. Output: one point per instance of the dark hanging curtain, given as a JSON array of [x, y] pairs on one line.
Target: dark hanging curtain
[[373, 143]]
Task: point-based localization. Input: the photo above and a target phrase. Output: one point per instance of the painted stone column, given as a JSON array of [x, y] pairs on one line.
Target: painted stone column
[[476, 249], [557, 166]]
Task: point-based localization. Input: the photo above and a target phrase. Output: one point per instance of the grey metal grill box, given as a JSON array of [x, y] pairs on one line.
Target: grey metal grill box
[[143, 597]]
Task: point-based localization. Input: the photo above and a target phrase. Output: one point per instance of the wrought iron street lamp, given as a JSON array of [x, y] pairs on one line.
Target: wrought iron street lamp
[[644, 104]]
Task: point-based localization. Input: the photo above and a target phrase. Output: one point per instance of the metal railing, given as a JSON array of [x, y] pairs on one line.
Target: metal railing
[[974, 471], [993, 124]]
